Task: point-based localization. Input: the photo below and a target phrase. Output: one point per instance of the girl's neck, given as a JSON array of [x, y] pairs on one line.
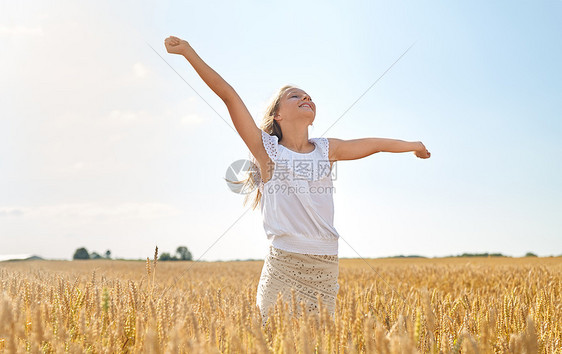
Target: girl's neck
[[296, 141]]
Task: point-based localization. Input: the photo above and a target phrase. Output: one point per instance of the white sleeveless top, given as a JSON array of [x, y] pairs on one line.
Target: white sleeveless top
[[297, 204]]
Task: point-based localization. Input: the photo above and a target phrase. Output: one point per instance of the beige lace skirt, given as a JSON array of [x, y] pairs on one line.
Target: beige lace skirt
[[310, 275]]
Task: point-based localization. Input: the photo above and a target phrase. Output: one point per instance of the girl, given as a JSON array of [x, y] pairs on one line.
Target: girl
[[293, 176]]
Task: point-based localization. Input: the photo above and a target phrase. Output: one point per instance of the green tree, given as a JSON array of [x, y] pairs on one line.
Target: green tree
[[108, 254], [95, 255], [530, 254], [184, 253], [81, 253], [167, 257]]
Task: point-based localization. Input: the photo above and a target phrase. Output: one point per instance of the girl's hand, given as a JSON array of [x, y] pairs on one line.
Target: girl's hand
[[175, 45], [422, 152]]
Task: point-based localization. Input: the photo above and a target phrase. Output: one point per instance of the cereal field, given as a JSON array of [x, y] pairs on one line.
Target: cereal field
[[465, 305]]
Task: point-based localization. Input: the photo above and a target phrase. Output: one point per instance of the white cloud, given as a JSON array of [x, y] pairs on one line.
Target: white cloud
[[129, 210], [140, 70], [115, 138], [191, 120], [127, 117], [81, 168], [11, 211], [21, 31], [80, 165], [258, 110]]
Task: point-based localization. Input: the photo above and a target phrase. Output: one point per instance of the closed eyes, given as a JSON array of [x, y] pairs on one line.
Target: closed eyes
[[298, 96]]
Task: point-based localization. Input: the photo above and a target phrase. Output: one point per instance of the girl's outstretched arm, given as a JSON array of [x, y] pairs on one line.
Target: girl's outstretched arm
[[359, 148], [242, 119]]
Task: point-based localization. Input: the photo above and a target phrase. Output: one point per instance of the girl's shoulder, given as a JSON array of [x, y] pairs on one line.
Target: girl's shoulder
[[276, 150], [271, 145], [323, 144]]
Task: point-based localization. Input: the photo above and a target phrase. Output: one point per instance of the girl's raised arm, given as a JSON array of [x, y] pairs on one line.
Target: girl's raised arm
[[359, 148], [242, 119]]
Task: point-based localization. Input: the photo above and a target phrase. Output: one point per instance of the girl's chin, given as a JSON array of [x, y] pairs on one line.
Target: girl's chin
[[306, 116]]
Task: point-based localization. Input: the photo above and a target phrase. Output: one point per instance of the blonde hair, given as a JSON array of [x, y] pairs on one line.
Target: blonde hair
[[271, 127]]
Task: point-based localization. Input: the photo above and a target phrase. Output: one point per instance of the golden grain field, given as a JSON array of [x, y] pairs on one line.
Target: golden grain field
[[465, 305]]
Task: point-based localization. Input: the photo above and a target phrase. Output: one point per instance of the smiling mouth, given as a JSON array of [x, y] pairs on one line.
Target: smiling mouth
[[307, 105]]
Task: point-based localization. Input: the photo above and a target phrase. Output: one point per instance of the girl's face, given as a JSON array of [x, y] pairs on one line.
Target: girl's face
[[296, 104]]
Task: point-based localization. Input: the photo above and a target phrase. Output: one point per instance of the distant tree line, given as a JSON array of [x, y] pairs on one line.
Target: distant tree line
[[82, 253], [528, 254], [481, 255], [182, 254]]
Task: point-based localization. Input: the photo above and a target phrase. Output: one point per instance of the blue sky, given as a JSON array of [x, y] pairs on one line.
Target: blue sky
[[103, 146]]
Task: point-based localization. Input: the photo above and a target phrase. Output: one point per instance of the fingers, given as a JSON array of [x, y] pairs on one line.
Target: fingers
[[425, 155], [170, 42]]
